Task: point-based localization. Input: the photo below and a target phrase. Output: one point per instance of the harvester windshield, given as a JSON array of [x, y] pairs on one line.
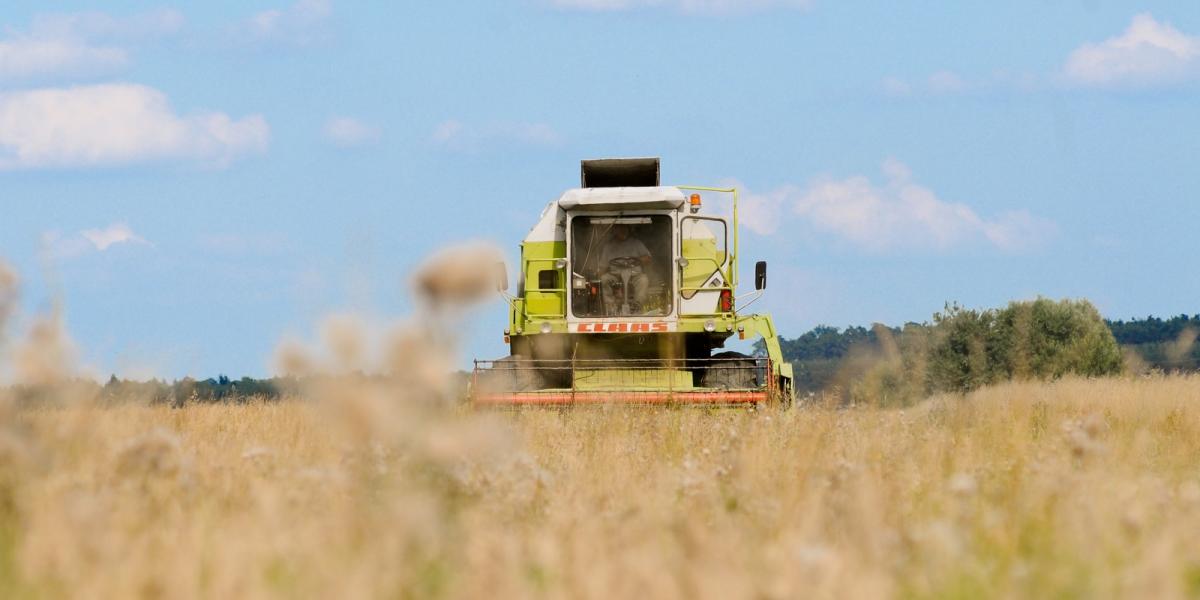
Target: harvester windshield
[[621, 266]]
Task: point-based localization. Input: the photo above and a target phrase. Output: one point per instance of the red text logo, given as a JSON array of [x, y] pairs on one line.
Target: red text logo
[[622, 327]]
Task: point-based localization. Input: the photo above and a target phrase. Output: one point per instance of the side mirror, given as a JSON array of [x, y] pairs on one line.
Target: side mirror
[[501, 277], [760, 275]]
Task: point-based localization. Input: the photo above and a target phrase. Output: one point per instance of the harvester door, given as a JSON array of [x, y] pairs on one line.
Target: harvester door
[[703, 264], [620, 266]]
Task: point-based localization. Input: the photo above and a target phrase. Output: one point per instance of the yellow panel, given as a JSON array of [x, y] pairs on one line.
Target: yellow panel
[[538, 256], [632, 379]]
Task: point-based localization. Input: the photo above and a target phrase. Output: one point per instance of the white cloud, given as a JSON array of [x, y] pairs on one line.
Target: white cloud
[[899, 213], [60, 247], [761, 213], [78, 43], [685, 6], [303, 22], [116, 124], [902, 213], [1147, 53], [348, 132], [456, 135], [117, 233]]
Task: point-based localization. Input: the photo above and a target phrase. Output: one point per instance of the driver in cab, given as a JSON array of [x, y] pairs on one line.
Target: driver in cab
[[624, 256]]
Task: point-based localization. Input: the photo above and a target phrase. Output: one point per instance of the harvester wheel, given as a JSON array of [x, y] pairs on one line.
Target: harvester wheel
[[731, 374], [512, 374], [786, 395]]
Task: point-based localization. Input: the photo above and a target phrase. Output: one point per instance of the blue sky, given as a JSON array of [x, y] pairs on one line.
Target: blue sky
[[195, 182]]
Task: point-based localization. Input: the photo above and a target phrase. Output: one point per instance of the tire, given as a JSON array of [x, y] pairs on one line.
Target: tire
[[510, 374], [731, 374], [787, 398]]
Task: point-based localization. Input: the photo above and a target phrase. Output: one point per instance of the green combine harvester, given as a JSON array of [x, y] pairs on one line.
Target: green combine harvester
[[626, 294]]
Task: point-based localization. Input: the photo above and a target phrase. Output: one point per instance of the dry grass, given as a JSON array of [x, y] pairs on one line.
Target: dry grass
[[1071, 489], [385, 488]]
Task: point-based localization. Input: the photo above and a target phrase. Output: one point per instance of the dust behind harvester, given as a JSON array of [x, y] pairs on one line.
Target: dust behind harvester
[[626, 293]]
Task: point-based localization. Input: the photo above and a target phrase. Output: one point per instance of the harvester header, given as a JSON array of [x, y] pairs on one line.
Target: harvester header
[[626, 290]]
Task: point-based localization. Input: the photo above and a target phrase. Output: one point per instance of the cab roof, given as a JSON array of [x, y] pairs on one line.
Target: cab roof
[[622, 198]]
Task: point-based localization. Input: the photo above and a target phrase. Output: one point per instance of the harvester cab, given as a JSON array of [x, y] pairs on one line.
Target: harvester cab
[[625, 294]]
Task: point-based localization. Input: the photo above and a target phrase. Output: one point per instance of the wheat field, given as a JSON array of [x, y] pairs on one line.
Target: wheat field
[[1069, 489], [386, 486]]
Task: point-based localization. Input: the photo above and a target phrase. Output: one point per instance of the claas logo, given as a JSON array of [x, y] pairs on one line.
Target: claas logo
[[622, 327]]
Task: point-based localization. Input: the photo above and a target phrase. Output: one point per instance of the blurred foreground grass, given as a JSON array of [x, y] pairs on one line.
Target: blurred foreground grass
[[1070, 489]]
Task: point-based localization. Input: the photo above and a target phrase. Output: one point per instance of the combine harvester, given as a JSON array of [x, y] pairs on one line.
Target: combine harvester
[[626, 293]]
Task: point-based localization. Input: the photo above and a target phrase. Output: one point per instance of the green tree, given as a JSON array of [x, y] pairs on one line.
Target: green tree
[[1044, 339], [1040, 339]]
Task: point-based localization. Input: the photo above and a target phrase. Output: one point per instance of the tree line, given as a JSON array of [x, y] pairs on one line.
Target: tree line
[[214, 390], [956, 351], [182, 391], [826, 357]]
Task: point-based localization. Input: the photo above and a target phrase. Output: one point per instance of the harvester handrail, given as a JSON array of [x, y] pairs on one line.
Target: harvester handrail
[[705, 288]]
